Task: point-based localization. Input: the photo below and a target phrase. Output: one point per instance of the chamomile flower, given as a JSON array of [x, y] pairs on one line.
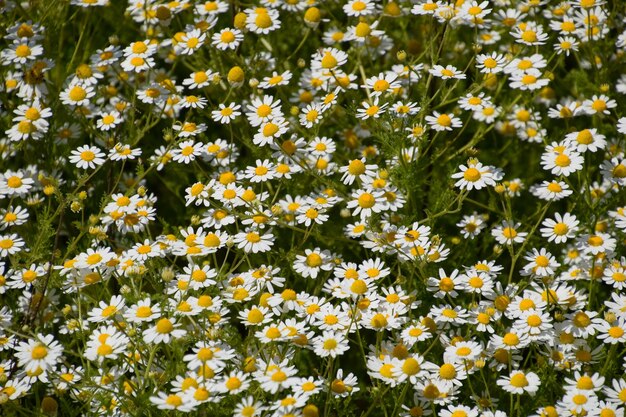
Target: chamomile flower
[[262, 21], [330, 343], [225, 114], [343, 386], [275, 80], [85, 157], [13, 216], [508, 233], [121, 152], [551, 190], [142, 311], [382, 83], [76, 95], [447, 72], [519, 382], [187, 151], [106, 342], [263, 109], [108, 121], [192, 102], [583, 323], [227, 38], [491, 64], [561, 228], [528, 80], [21, 52], [442, 121], [530, 34], [174, 401], [541, 263], [328, 59], [263, 171], [586, 140], [371, 109], [313, 262], [471, 225], [311, 115], [596, 243], [270, 131], [614, 170], [359, 8], [107, 311], [252, 241], [163, 331], [357, 169], [474, 176], [612, 333], [190, 42], [248, 406], [365, 202], [137, 64], [615, 275], [15, 183], [566, 45], [561, 160], [601, 104], [41, 353]]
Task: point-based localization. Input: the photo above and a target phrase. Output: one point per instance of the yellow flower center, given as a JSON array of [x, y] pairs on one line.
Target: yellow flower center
[[77, 93], [519, 380], [366, 200], [164, 326]]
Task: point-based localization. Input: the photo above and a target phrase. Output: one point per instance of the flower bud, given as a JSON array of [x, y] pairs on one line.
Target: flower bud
[[392, 9], [240, 20], [167, 274], [236, 76], [49, 406], [310, 410], [312, 17], [163, 13]]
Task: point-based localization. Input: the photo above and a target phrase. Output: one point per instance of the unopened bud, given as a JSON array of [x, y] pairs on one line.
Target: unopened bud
[[610, 317], [167, 274], [312, 17], [49, 190], [49, 406], [236, 76], [310, 410], [76, 206]]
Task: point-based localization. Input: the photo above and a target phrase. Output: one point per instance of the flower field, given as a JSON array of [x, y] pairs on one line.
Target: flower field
[[304, 208]]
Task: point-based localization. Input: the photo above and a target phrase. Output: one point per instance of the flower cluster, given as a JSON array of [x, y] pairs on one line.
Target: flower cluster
[[312, 208]]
